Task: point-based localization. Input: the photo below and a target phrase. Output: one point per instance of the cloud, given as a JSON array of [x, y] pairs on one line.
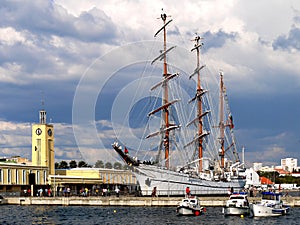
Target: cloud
[[46, 47], [288, 42], [45, 18], [217, 39]]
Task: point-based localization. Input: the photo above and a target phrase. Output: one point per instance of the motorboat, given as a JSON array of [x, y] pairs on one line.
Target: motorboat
[[270, 205], [190, 206], [237, 205]]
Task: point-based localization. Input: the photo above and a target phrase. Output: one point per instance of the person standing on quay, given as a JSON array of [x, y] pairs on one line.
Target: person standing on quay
[[117, 190], [187, 192]]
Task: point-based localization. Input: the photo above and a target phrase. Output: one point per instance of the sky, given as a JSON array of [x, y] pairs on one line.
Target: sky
[[79, 62]]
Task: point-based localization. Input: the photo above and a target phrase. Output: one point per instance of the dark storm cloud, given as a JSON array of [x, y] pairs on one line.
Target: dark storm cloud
[[288, 42], [47, 18], [216, 40], [291, 40]]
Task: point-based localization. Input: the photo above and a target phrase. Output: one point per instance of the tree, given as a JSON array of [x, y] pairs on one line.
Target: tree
[[117, 166], [108, 165], [73, 164], [126, 167], [99, 164], [82, 164], [63, 165]]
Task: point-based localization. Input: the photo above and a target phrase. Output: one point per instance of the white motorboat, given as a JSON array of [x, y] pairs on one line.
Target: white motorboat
[[270, 205], [190, 207], [237, 204]]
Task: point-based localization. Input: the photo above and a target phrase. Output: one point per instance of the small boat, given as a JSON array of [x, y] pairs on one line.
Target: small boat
[[237, 205], [190, 206], [270, 205]]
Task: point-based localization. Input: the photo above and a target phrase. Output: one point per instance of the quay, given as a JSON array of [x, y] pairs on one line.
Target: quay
[[128, 201]]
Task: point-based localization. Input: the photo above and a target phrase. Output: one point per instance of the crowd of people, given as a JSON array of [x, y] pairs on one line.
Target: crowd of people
[[67, 192]]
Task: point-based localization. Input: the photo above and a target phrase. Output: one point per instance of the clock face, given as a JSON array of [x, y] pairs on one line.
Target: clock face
[[49, 132], [38, 131]]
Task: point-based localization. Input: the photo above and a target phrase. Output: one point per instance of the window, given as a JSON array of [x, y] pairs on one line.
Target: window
[[24, 177], [45, 177], [17, 176], [8, 176], [37, 177], [38, 152], [1, 176]]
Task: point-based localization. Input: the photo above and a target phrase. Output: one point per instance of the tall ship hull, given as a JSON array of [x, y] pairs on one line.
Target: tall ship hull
[[174, 183]]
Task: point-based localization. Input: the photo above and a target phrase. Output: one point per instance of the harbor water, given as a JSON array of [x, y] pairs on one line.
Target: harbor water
[[16, 214]]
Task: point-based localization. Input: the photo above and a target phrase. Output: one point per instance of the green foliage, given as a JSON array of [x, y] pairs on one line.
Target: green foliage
[[288, 180], [99, 164], [274, 176], [117, 166], [82, 164], [108, 165], [73, 164], [63, 165], [126, 167], [270, 175]]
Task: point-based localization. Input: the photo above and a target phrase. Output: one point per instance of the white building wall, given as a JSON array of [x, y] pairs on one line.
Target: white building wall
[[289, 164], [257, 166], [252, 178]]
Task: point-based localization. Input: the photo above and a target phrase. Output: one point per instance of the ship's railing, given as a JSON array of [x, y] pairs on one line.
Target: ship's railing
[[182, 193]]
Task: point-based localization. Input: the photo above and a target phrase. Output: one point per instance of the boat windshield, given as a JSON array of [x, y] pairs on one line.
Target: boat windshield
[[269, 196], [237, 197], [193, 201]]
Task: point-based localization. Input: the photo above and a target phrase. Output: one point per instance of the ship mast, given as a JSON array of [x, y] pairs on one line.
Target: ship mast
[[200, 113], [221, 123], [167, 127], [166, 97]]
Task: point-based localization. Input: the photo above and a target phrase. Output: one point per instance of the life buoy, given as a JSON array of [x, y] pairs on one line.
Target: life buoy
[[197, 213]]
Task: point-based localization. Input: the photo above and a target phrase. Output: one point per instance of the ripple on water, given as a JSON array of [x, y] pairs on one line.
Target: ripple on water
[[13, 214]]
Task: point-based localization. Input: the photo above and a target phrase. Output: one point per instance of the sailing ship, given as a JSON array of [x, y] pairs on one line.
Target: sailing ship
[[204, 175]]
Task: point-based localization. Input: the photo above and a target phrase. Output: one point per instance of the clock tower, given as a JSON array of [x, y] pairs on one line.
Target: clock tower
[[43, 144]]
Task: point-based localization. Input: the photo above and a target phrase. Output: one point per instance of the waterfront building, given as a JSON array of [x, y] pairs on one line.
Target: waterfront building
[[289, 164], [252, 178], [18, 175], [92, 179], [257, 166]]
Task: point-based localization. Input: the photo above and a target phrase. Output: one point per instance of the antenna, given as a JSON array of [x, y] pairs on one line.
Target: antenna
[[43, 99], [42, 111]]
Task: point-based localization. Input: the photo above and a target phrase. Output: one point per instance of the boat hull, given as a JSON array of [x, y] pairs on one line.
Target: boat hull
[[236, 211], [171, 183], [263, 210], [188, 211]]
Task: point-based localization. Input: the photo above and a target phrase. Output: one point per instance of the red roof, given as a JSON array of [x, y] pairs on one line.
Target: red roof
[[264, 180], [282, 171]]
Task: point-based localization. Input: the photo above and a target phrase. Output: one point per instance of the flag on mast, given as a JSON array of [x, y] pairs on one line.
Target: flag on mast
[[231, 125], [126, 150]]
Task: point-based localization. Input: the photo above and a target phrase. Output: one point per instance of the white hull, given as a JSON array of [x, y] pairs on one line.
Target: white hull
[[262, 211], [235, 211], [185, 212], [174, 183], [190, 206]]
